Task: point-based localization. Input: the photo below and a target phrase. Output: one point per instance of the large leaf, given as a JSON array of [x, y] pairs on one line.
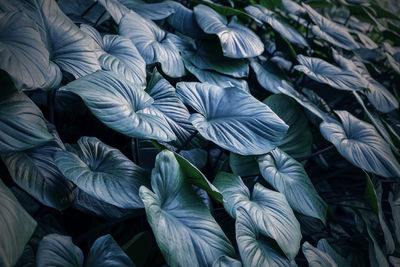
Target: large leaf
[[269, 211], [58, 250], [266, 78], [22, 124], [394, 201], [225, 261], [237, 41], [35, 171], [214, 77], [185, 231], [118, 54], [16, 227], [292, 114], [361, 144], [278, 24], [121, 105], [106, 252], [254, 247], [289, 177], [251, 129], [91, 14], [324, 246], [153, 43], [330, 31], [103, 172], [23, 53], [324, 72], [169, 107], [316, 257]]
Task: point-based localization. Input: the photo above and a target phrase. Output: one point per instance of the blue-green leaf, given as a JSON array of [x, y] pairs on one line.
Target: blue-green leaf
[[16, 227], [330, 31], [278, 24], [324, 246], [237, 41], [252, 129], [266, 78], [118, 54], [185, 231], [288, 176], [316, 257], [361, 144], [103, 172], [121, 105], [225, 261], [24, 55], [58, 250], [153, 43], [292, 114], [106, 252], [269, 211], [324, 72], [254, 247], [35, 171], [22, 124]]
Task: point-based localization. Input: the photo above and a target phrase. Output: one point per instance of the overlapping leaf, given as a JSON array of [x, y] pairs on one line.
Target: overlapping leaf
[[185, 231], [103, 172], [121, 105], [252, 129]]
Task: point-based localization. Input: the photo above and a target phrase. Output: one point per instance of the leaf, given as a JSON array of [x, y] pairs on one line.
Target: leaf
[[208, 57], [269, 211], [24, 55], [16, 227], [324, 72], [324, 246], [394, 201], [225, 261], [330, 31], [251, 130], [278, 24], [27, 259], [121, 105], [194, 176], [292, 114], [393, 63], [105, 251], [243, 165], [58, 250], [237, 41], [170, 108], [255, 249], [185, 231], [153, 43], [22, 124], [117, 53], [215, 78], [35, 171], [103, 172], [360, 143], [316, 257], [74, 10], [197, 156], [139, 248], [266, 78], [289, 177]]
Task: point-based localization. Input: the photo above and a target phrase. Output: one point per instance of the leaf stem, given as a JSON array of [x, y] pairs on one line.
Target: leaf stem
[[136, 140], [316, 153], [187, 141], [89, 8], [51, 94]]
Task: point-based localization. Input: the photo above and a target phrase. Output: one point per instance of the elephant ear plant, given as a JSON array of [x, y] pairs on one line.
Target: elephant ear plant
[[199, 133]]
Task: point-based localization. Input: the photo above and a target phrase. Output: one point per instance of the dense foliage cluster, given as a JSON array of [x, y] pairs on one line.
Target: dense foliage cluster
[[199, 133]]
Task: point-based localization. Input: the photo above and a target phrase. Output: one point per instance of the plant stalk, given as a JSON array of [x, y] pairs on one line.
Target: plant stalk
[[187, 141]]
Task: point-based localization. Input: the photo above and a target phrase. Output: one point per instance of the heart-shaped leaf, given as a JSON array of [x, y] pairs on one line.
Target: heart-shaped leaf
[[324, 72], [266, 78], [22, 124], [289, 177], [330, 31], [16, 227], [277, 23], [118, 54], [121, 105], [254, 247], [106, 252], [316, 257], [152, 42], [237, 41], [103, 172], [24, 55], [292, 114], [269, 211], [185, 231], [324, 246], [361, 144], [35, 171], [252, 129]]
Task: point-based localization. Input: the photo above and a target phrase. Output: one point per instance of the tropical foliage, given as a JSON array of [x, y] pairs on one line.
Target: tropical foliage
[[199, 133]]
